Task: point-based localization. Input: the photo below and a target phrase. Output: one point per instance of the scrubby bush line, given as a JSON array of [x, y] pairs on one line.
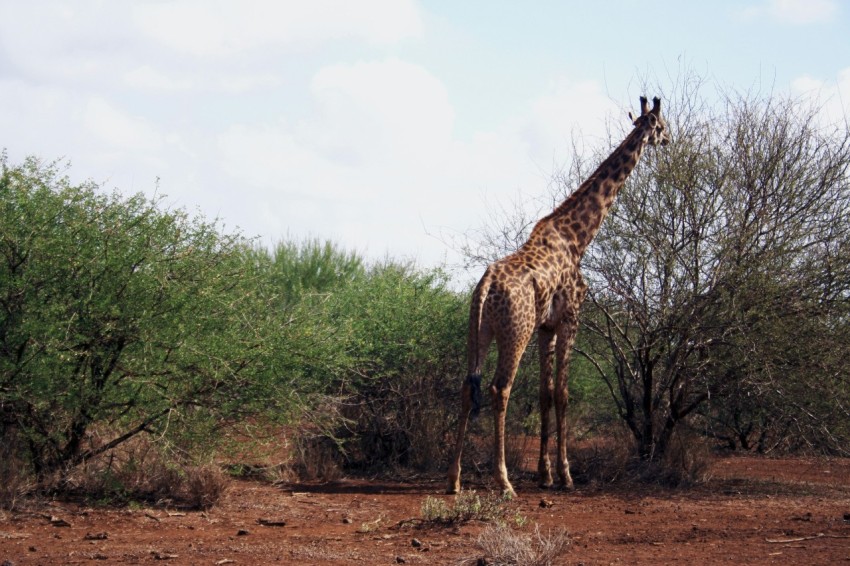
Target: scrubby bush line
[[121, 318]]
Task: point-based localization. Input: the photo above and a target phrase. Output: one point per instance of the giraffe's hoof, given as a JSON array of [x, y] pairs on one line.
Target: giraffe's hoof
[[508, 494], [566, 486], [545, 484]]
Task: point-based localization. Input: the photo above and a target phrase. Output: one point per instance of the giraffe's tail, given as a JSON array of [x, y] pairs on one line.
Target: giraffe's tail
[[474, 349], [474, 382]]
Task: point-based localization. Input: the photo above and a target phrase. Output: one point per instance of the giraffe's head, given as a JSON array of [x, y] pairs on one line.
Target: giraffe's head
[[653, 125]]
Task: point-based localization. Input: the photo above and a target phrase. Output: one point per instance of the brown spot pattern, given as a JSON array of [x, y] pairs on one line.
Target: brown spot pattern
[[540, 287]]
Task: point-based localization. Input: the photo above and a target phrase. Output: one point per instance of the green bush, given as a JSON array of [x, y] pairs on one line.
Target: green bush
[[407, 343], [117, 312]]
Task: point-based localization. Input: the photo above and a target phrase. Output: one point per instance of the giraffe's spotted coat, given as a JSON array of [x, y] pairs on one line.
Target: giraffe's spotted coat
[[540, 287]]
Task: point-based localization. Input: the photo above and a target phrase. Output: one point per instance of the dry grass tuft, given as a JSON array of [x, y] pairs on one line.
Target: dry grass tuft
[[502, 545], [316, 457], [141, 471], [205, 486], [15, 483], [613, 459]]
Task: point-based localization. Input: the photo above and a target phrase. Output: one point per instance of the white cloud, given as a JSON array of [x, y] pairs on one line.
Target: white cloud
[[795, 12], [47, 120], [377, 166], [230, 26], [269, 157], [365, 153], [569, 108], [61, 41], [119, 130], [381, 109], [148, 78], [240, 83], [370, 155], [99, 138], [377, 116], [831, 96]]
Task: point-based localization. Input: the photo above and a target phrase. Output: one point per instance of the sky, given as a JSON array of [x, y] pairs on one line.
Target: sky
[[391, 127]]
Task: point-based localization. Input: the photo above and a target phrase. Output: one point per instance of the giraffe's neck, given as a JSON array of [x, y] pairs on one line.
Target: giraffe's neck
[[580, 216]]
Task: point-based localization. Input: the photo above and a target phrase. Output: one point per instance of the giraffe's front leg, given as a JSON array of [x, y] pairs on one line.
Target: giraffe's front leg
[[546, 340], [566, 338], [562, 465]]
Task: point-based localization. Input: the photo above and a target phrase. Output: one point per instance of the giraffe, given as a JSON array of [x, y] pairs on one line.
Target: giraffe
[[540, 287]]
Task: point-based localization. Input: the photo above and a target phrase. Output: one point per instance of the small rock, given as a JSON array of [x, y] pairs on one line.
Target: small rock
[[545, 503], [347, 520], [272, 522], [59, 522], [847, 516], [400, 560], [243, 532], [96, 536], [416, 543]]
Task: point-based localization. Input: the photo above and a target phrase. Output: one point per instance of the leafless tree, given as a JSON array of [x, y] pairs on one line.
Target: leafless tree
[[719, 284]]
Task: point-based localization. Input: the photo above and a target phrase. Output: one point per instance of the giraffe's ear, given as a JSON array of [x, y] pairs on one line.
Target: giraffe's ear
[[632, 117]]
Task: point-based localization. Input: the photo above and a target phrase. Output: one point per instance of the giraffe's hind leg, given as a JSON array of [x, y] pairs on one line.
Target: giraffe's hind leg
[[510, 353], [470, 395], [467, 395]]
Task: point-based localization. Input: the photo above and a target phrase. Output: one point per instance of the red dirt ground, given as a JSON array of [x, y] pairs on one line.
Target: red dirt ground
[[753, 511]]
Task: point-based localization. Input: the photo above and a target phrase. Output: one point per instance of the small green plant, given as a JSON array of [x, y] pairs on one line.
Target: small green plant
[[370, 526], [519, 520], [468, 506], [434, 509]]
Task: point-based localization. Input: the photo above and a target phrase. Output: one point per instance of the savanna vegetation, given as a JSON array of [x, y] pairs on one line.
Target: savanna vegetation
[[719, 288], [138, 340]]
